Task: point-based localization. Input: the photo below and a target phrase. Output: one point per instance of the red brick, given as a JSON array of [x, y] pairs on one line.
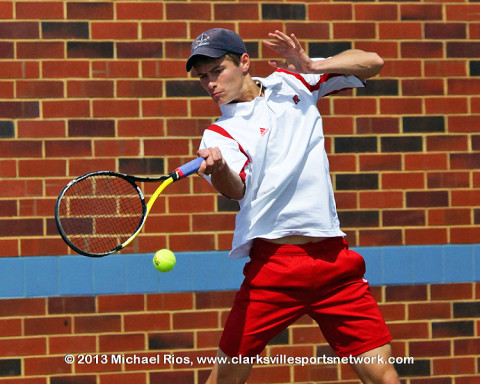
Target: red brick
[[148, 127], [422, 50], [419, 87], [116, 108], [447, 143], [72, 148], [121, 342], [114, 31], [164, 108], [19, 109], [376, 12], [47, 326], [401, 106], [361, 106], [6, 10], [16, 149], [400, 30], [169, 301], [462, 12], [117, 148], [21, 226], [465, 198], [419, 236], [329, 12], [415, 330], [40, 50], [36, 10], [402, 181], [140, 88], [446, 105], [379, 237], [309, 30], [45, 366], [381, 199], [163, 68], [41, 168], [65, 69], [386, 49], [235, 11], [449, 217], [358, 30], [402, 68], [453, 291], [71, 304], [42, 129], [97, 323], [64, 109], [202, 108], [377, 125], [380, 162], [120, 303], [146, 322], [10, 327], [140, 11], [463, 86], [115, 69], [425, 161], [90, 89], [445, 31], [441, 68], [190, 242], [39, 89], [188, 11], [131, 378], [464, 235], [71, 344], [421, 11], [27, 346], [454, 366], [164, 30], [420, 311], [427, 348], [22, 307], [90, 11]]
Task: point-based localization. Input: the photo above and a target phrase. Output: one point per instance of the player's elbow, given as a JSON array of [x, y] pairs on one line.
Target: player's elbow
[[375, 64]]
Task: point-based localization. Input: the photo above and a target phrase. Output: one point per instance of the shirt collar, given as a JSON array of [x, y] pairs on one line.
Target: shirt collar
[[246, 108]]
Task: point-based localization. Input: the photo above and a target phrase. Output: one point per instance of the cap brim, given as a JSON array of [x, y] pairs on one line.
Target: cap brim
[[204, 51]]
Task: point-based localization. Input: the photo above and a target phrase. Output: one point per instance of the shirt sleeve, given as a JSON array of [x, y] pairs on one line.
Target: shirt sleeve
[[325, 84], [232, 152]]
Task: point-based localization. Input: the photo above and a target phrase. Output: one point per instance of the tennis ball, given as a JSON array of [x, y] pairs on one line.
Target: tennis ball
[[164, 260]]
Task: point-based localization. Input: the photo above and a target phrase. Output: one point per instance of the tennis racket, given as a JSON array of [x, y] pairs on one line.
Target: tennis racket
[[100, 213]]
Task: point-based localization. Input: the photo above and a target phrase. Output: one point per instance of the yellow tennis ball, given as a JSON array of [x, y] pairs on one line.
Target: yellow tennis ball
[[164, 260]]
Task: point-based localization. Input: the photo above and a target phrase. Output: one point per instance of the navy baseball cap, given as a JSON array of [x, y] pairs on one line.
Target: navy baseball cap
[[215, 43]]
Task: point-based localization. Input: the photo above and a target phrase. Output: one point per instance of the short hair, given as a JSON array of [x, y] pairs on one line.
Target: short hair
[[235, 58]]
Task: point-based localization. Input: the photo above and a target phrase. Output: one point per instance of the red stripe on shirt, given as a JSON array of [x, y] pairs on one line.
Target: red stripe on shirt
[[310, 87], [221, 131]]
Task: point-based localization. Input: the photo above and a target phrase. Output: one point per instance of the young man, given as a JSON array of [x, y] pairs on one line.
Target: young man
[[267, 152]]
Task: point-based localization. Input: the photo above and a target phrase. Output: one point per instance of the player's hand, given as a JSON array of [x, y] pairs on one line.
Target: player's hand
[[296, 60], [214, 161]]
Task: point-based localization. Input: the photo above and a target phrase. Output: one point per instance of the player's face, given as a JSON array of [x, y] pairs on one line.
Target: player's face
[[223, 79]]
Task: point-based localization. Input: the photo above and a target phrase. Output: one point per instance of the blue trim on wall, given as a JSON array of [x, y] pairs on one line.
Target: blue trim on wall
[[43, 276]]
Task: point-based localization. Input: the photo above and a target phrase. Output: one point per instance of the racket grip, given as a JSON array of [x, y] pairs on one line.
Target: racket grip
[[187, 169]]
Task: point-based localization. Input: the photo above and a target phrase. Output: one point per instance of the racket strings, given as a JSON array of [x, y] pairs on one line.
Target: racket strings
[[100, 212]]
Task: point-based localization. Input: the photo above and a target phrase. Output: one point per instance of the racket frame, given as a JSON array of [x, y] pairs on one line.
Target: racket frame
[[146, 207]]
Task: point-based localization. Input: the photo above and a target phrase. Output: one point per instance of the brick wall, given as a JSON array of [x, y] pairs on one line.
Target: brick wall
[[102, 85], [435, 324]]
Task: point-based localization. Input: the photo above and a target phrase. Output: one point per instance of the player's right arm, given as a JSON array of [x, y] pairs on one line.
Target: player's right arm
[[223, 178]]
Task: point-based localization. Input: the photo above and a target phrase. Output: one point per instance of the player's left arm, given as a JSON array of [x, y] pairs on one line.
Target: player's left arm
[[350, 62]]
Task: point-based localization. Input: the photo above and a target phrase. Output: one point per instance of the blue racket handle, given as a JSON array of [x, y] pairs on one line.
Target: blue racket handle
[[188, 168]]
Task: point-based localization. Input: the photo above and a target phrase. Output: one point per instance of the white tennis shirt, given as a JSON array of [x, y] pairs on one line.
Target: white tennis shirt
[[276, 143]]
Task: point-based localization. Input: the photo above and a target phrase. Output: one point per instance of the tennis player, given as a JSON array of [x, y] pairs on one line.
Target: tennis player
[[267, 151]]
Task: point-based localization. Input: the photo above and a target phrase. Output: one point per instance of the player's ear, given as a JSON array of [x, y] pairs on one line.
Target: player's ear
[[245, 63]]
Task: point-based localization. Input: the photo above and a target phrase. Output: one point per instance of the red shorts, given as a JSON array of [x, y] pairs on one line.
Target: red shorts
[[284, 282]]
